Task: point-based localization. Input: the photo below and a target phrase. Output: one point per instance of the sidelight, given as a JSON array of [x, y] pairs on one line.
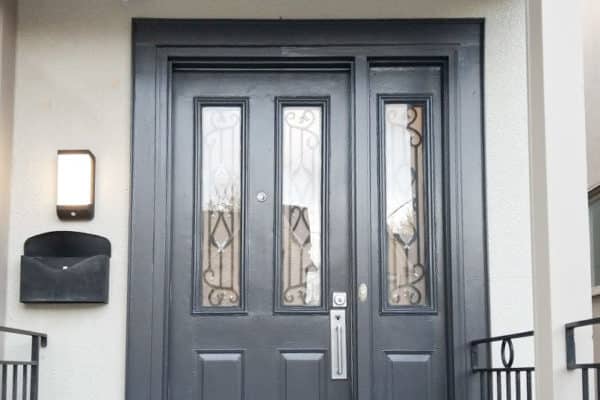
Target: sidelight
[[404, 204]]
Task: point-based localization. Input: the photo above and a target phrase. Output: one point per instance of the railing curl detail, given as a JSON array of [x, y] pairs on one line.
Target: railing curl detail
[[505, 381], [507, 343]]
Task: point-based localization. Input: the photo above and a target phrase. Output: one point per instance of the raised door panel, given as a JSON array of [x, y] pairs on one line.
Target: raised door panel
[[221, 375], [303, 375], [408, 376]]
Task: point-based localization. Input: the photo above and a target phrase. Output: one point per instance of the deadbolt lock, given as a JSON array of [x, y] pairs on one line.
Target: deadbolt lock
[[339, 299]]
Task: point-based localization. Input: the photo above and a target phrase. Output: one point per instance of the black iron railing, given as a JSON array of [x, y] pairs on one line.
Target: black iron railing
[[506, 382], [584, 367], [19, 379]]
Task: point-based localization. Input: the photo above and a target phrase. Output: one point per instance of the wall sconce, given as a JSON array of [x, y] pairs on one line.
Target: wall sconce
[[75, 186]]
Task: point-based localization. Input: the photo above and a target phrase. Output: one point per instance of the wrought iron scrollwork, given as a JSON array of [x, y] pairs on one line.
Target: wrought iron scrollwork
[[406, 270], [399, 118], [222, 237], [507, 352], [301, 168], [298, 247], [221, 204]]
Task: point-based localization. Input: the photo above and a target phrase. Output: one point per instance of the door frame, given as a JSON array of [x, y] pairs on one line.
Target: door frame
[[163, 46]]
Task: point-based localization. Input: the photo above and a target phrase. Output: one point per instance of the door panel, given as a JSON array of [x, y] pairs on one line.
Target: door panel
[[303, 376], [261, 223], [408, 314], [409, 376], [220, 375]]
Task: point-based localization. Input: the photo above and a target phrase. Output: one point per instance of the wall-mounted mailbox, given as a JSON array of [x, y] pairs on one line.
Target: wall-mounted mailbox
[[65, 267]]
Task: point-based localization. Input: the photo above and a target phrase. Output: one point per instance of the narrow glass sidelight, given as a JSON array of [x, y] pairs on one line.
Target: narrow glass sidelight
[[220, 179], [301, 171], [405, 205]]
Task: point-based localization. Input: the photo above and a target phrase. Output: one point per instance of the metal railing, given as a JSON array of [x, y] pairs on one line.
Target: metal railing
[[21, 377], [509, 381], [584, 367]]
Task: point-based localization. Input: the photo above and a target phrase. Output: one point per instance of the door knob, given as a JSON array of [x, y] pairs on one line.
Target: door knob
[[261, 197], [363, 292]]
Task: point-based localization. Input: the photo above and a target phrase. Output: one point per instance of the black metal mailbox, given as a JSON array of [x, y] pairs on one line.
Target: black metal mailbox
[[65, 267]]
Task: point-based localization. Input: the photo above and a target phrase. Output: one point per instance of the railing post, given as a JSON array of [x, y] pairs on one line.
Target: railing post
[[474, 355], [35, 359], [584, 367], [585, 384], [4, 386], [570, 343]]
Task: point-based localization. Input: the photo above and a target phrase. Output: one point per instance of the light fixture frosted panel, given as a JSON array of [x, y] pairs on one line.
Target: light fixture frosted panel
[[75, 184], [405, 206], [221, 187], [301, 165], [74, 180]]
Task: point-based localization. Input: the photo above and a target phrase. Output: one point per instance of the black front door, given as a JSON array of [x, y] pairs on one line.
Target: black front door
[[261, 234], [264, 297]]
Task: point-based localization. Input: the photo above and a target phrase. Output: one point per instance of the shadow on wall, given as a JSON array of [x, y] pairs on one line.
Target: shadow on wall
[[8, 16]]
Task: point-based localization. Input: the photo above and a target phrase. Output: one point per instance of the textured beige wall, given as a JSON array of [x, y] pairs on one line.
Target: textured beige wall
[[73, 89], [8, 30]]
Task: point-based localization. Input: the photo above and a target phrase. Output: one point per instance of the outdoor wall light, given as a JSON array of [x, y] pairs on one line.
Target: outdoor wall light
[[75, 184]]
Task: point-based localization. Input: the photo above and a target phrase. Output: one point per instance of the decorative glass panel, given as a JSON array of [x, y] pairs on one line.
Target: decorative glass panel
[[220, 177], [301, 208], [405, 205]]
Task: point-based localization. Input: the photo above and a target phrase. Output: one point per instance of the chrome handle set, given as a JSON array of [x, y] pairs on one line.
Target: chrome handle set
[[337, 322], [339, 357]]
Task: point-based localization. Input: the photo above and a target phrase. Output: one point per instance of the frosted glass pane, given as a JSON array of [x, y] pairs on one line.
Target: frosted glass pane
[[221, 205], [405, 205], [301, 186]]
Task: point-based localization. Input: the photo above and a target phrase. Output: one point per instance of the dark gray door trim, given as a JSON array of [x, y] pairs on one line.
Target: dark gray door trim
[[160, 46]]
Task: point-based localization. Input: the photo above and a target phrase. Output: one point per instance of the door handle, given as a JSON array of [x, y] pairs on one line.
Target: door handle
[[339, 357]]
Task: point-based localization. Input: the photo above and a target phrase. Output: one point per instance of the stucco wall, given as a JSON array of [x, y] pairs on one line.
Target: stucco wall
[[592, 102], [73, 90], [592, 88], [8, 30]]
